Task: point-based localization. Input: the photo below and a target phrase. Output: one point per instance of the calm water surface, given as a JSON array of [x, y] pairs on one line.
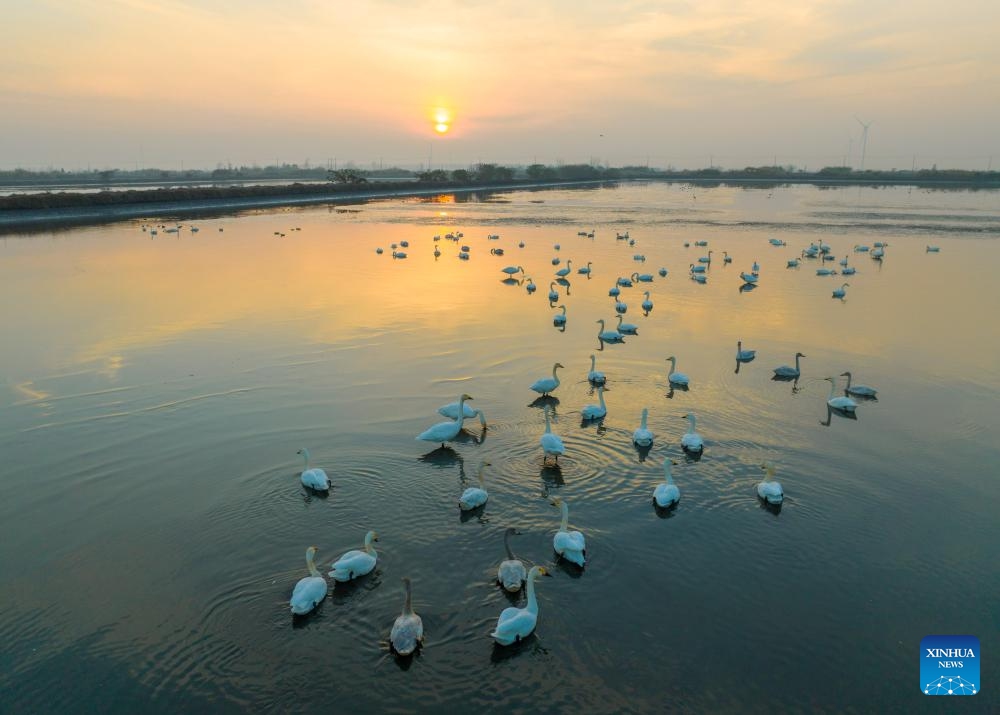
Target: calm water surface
[[156, 390]]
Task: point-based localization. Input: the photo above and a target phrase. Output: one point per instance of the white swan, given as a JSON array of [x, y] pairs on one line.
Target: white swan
[[663, 272], [475, 497], [748, 277], [546, 385], [861, 249], [585, 270], [840, 292], [706, 259], [553, 293], [788, 371], [314, 478], [517, 623], [642, 436], [647, 304], [726, 258], [933, 249], [825, 272], [356, 562], [511, 572], [674, 377], [770, 490], [595, 376], [569, 544], [666, 494], [845, 404], [552, 444], [614, 291], [446, 431], [621, 307], [609, 336], [451, 411], [310, 591], [530, 287], [511, 270], [794, 263], [862, 390], [626, 328], [744, 355], [692, 441], [560, 319], [848, 271], [596, 412], [408, 630], [563, 272]]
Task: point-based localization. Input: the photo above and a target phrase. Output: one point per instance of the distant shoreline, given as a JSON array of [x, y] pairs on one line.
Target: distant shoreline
[[68, 209], [13, 220]]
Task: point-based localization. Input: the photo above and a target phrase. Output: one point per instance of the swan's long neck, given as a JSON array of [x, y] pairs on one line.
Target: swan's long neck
[[506, 545], [408, 604], [601, 330], [482, 418], [673, 365], [600, 398], [645, 413], [796, 362], [667, 476], [833, 386], [564, 507], [369, 537], [554, 376], [311, 564], [593, 363], [305, 457], [532, 601], [848, 381], [461, 410], [564, 315], [691, 420]]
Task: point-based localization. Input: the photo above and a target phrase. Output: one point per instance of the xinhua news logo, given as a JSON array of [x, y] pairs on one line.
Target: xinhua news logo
[[949, 665]]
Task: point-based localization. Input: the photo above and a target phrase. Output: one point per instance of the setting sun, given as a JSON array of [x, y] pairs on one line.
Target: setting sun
[[442, 120], [441, 127]]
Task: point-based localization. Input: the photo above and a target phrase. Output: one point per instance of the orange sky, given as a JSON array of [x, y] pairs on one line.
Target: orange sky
[[161, 82]]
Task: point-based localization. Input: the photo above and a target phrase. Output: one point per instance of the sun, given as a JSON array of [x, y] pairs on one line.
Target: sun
[[441, 128], [442, 120]]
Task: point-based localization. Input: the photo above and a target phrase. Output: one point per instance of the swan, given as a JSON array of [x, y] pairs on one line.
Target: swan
[[848, 271], [647, 304], [701, 243], [696, 269], [517, 623], [621, 307], [399, 254], [552, 444], [861, 249], [845, 404], [556, 246], [595, 376], [862, 390], [585, 270], [692, 441], [310, 591], [627, 328], [569, 544], [933, 249], [744, 355], [770, 490], [705, 259], [314, 478], [406, 244], [446, 431], [663, 272], [840, 292], [877, 253], [642, 437], [748, 277], [437, 253], [794, 263], [788, 371], [615, 291], [699, 278], [356, 563], [560, 319], [408, 631], [642, 277], [496, 251], [379, 250], [596, 412], [755, 269], [843, 261], [530, 287], [520, 244], [511, 572], [553, 293], [673, 377], [609, 336], [824, 247], [667, 494], [563, 272], [555, 261], [475, 497], [825, 272], [546, 385], [625, 282], [451, 410], [776, 242]]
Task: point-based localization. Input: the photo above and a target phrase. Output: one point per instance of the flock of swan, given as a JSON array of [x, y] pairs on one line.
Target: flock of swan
[[515, 624]]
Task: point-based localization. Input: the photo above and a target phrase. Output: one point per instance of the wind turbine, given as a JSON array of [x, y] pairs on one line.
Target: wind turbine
[[864, 140]]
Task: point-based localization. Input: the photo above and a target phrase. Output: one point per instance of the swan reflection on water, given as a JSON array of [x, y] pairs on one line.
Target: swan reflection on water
[[831, 411], [545, 401]]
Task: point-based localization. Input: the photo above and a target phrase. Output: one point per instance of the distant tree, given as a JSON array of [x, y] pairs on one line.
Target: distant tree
[[461, 175], [435, 176], [346, 176]]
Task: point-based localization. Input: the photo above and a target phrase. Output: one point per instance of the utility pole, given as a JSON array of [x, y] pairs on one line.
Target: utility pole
[[864, 141]]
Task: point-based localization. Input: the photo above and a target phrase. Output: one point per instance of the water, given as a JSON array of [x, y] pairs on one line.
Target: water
[[157, 388]]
